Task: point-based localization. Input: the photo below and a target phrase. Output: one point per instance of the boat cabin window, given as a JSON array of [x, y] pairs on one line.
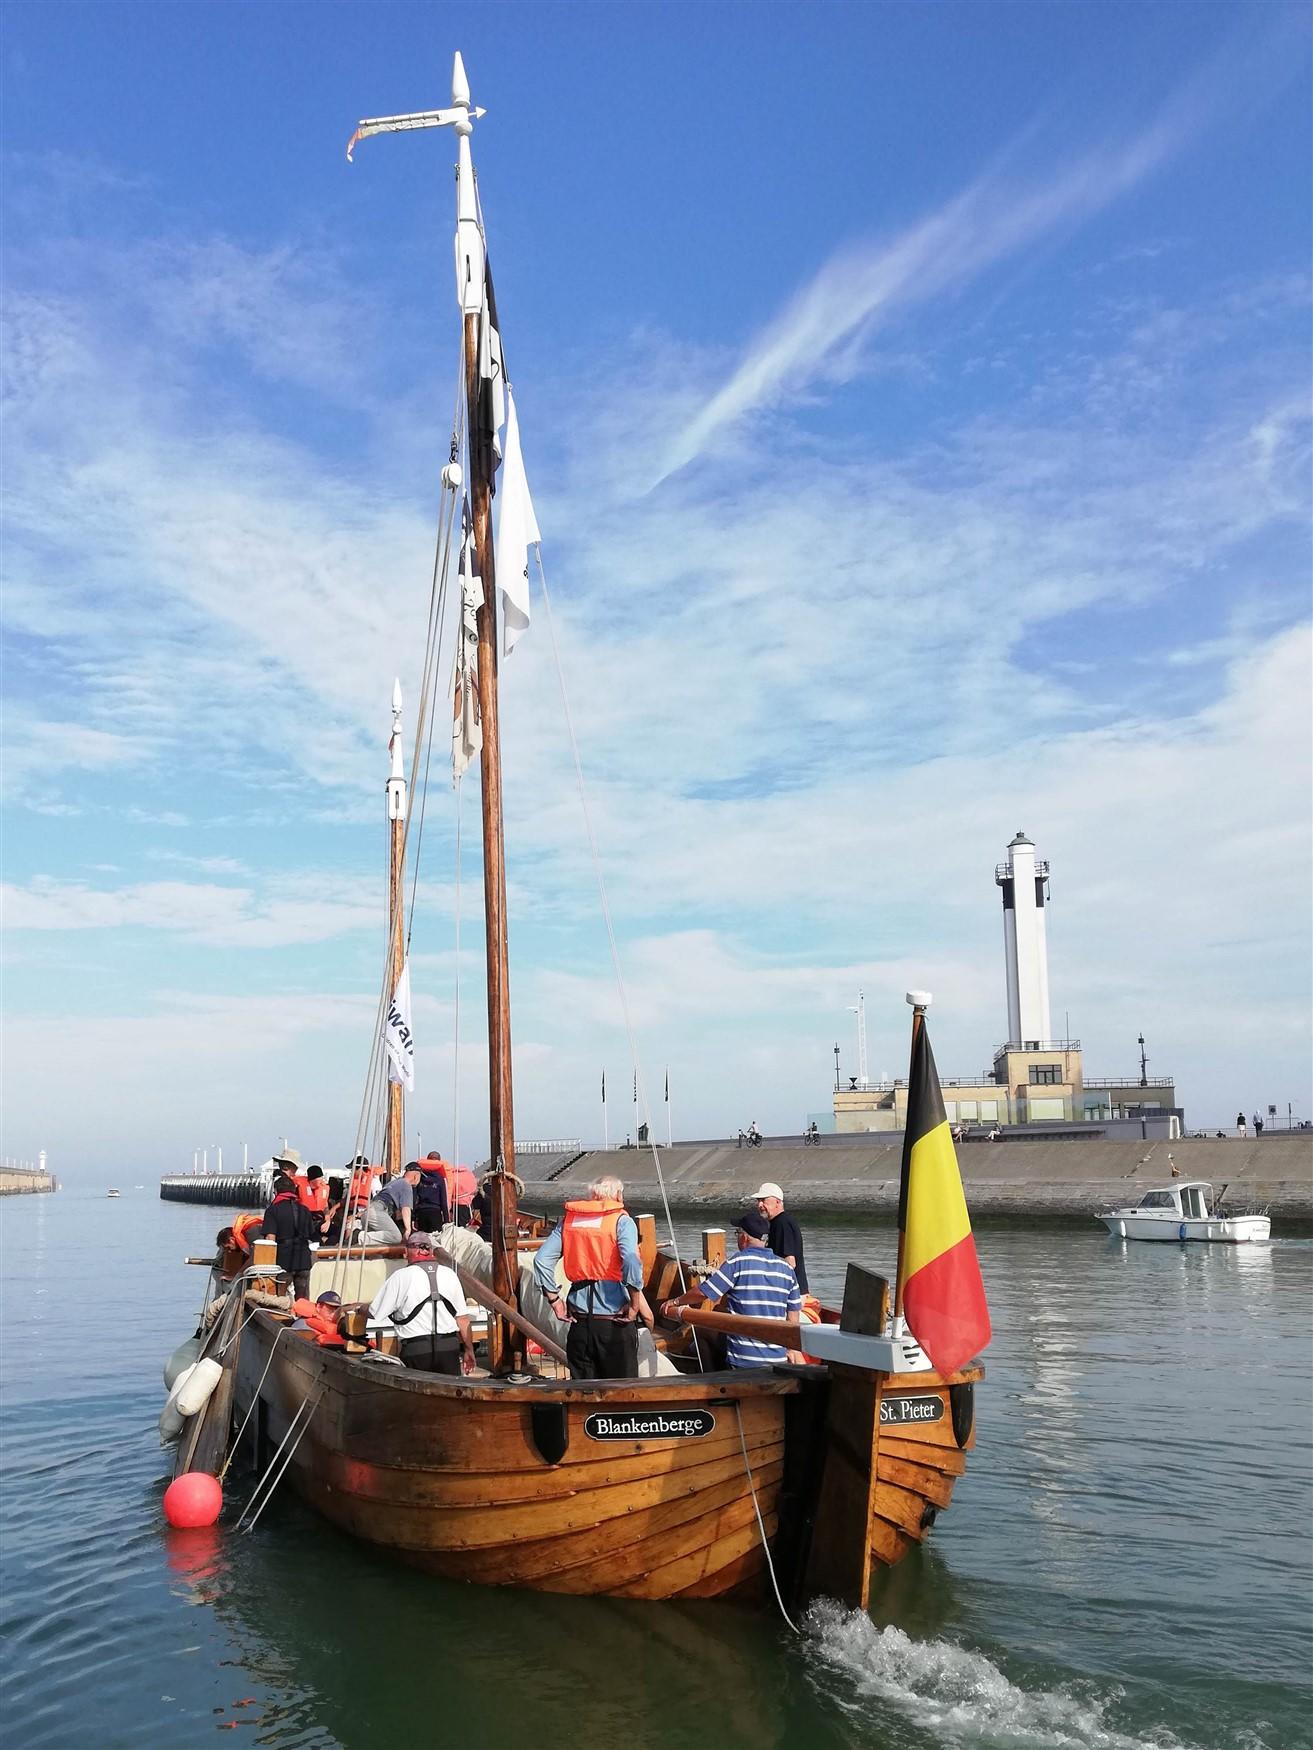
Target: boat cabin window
[[1192, 1201], [1158, 1200]]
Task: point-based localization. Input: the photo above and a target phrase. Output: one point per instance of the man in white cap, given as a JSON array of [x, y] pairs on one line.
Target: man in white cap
[[785, 1237]]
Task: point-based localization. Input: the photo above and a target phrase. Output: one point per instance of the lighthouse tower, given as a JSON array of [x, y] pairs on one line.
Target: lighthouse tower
[[1025, 890]]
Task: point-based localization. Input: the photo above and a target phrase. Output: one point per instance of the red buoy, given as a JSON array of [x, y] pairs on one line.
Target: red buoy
[[192, 1500]]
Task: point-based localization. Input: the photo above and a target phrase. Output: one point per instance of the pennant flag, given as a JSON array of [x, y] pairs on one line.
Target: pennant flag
[[466, 723], [397, 1037], [604, 1087], [943, 1295], [667, 1087], [635, 1087], [517, 531]]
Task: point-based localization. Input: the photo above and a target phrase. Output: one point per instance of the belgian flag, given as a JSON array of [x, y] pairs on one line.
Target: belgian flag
[[943, 1297]]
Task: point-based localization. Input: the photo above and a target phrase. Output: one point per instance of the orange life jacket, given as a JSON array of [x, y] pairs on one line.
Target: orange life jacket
[[242, 1229], [460, 1181], [590, 1251], [313, 1194], [361, 1188], [322, 1320]]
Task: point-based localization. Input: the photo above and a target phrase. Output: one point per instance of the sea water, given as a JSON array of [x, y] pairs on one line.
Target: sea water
[[1126, 1564]]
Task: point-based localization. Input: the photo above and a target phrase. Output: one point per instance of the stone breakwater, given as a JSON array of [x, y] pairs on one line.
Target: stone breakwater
[[14, 1181], [859, 1175]]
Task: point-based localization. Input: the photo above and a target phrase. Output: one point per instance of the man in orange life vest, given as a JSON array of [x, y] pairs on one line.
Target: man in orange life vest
[[322, 1317], [312, 1189], [597, 1244]]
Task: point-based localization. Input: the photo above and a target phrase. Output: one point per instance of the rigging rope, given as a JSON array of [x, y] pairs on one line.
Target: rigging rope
[[761, 1524]]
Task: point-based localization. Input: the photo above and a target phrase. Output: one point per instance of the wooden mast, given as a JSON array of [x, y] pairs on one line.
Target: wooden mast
[[395, 1137], [478, 309], [474, 295]]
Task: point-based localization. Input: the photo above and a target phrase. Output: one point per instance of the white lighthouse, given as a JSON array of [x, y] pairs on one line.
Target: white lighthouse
[[1025, 882]]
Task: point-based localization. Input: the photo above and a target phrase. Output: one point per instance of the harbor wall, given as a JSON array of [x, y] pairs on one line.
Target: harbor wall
[[224, 1190], [15, 1181], [1010, 1178]]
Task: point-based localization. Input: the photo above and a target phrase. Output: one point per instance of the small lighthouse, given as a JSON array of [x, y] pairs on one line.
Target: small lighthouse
[[1025, 882]]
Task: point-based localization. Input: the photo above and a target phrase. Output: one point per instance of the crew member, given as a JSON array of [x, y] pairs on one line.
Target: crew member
[[432, 1209], [425, 1303], [287, 1220], [331, 1231], [391, 1214], [756, 1284], [312, 1189], [243, 1232], [597, 1243], [785, 1237], [321, 1316]]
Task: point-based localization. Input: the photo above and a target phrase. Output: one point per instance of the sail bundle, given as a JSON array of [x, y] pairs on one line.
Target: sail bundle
[[517, 534]]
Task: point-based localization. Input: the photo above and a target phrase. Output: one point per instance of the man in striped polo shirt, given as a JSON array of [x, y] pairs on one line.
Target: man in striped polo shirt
[[757, 1285]]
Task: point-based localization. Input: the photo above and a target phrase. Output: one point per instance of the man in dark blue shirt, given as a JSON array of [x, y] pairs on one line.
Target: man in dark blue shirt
[[785, 1237]]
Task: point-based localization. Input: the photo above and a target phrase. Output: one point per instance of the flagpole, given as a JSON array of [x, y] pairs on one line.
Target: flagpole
[[920, 1002], [670, 1143], [606, 1128], [395, 1142]]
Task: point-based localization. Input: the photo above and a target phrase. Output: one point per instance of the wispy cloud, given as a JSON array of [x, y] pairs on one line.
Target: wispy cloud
[[822, 332]]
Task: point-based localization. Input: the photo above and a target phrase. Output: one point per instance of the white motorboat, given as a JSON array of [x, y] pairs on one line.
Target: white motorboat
[[1187, 1211]]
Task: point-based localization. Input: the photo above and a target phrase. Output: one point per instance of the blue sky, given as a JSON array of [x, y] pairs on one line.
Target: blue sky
[[916, 402]]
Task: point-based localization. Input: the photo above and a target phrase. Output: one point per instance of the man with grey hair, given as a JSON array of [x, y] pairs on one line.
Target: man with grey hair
[[596, 1242]]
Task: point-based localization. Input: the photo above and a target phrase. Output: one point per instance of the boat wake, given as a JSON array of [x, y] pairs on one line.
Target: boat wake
[[950, 1694]]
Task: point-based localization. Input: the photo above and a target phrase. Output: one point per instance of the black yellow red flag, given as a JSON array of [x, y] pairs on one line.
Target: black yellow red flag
[[943, 1294]]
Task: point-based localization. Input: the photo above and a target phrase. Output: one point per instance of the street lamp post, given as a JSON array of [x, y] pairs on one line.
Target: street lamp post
[[836, 1067]]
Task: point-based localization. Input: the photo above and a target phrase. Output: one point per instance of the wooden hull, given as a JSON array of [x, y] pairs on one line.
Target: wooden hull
[[518, 1485]]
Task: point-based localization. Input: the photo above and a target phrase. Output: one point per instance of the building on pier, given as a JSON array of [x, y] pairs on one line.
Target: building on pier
[[1035, 1079]]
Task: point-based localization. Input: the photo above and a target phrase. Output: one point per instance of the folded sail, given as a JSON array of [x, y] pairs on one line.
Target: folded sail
[[517, 532], [943, 1294], [466, 723]]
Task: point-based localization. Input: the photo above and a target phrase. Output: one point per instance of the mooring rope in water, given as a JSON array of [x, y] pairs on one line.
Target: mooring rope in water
[[610, 936], [761, 1524], [273, 1484]]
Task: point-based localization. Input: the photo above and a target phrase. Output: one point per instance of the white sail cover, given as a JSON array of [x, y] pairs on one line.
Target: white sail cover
[[466, 723], [517, 531], [398, 1039]]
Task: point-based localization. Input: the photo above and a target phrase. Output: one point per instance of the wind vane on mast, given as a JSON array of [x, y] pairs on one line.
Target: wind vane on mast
[[469, 238]]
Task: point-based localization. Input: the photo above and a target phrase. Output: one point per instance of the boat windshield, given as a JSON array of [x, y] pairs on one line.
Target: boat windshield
[[1157, 1200]]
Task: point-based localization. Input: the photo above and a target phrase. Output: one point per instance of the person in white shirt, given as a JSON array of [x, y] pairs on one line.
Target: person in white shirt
[[425, 1304]]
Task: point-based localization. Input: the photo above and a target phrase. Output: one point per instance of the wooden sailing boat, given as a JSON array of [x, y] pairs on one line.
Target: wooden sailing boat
[[690, 1484]]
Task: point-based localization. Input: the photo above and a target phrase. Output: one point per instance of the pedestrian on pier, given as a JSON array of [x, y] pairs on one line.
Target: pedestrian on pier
[[1240, 1129]]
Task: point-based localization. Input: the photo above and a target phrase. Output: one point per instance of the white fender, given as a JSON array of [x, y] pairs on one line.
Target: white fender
[[171, 1417], [194, 1392]]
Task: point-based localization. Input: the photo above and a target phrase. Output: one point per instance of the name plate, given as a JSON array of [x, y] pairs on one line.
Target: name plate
[[649, 1424], [898, 1412]]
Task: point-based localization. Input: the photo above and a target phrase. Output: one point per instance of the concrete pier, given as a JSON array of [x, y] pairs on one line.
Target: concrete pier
[[224, 1190], [859, 1175]]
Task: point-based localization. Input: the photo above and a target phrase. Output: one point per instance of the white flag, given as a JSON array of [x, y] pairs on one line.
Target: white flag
[[466, 723], [517, 531], [397, 1037]]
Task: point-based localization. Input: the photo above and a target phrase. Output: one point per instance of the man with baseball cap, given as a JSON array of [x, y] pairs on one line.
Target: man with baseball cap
[[425, 1304], [785, 1237], [756, 1285]]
